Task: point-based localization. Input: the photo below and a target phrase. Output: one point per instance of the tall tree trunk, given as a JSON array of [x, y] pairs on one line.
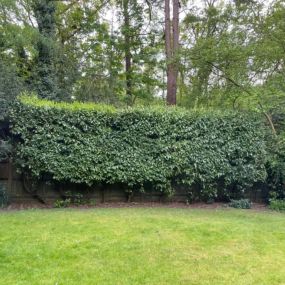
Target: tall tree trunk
[[128, 55], [175, 28], [168, 51], [171, 49]]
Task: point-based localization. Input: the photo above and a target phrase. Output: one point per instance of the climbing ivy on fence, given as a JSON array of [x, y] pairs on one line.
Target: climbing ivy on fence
[[141, 148]]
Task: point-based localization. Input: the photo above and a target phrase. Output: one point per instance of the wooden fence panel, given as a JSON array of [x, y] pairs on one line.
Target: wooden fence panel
[[48, 193]]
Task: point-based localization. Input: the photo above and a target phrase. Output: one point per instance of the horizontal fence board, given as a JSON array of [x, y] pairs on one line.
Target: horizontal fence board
[[49, 193]]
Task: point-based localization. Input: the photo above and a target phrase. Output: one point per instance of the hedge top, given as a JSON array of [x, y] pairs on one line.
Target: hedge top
[[33, 101]]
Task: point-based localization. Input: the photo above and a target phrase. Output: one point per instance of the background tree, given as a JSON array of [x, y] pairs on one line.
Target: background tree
[[45, 80], [171, 49], [221, 54]]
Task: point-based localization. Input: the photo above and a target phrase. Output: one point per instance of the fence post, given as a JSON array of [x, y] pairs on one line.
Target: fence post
[[10, 176]]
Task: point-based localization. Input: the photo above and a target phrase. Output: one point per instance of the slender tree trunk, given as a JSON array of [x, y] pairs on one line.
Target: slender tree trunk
[[168, 51], [128, 55], [175, 28], [171, 49]]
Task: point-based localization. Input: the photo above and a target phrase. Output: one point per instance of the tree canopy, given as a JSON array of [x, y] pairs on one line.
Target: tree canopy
[[227, 53]]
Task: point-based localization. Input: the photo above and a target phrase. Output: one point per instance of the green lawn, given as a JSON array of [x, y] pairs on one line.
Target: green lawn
[[142, 246]]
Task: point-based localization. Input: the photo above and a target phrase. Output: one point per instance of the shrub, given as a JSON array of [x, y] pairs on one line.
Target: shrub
[[92, 202], [75, 198], [62, 203], [240, 204], [140, 148], [277, 204], [276, 167]]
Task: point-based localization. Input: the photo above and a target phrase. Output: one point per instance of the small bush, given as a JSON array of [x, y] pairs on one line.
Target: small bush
[[62, 203], [75, 198], [92, 202], [240, 204], [277, 204]]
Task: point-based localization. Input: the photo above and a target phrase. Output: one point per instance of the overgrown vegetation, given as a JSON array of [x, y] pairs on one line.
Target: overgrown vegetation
[[240, 204], [277, 204], [221, 154], [10, 86], [64, 203], [276, 168], [71, 198]]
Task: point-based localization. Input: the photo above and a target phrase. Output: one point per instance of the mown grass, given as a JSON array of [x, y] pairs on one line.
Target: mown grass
[[142, 246]]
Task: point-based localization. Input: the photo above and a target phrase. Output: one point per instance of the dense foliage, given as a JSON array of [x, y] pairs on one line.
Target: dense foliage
[[277, 204], [10, 86], [140, 148], [240, 204], [276, 168]]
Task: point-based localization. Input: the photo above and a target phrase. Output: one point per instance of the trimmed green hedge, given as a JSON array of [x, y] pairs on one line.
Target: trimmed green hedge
[[141, 148]]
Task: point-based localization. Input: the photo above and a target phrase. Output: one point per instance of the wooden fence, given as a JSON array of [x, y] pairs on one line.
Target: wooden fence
[[20, 190]]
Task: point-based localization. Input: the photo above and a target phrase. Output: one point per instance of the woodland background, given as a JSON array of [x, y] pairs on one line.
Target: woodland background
[[230, 54]]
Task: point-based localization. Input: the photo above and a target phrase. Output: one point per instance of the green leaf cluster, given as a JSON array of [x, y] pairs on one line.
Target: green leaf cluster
[[240, 204], [277, 204], [276, 167]]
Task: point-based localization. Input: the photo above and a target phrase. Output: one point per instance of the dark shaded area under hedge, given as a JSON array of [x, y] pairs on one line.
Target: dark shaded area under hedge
[[216, 156]]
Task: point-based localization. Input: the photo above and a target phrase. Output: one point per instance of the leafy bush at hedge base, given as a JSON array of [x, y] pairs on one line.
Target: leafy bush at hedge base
[[218, 154], [277, 204], [240, 204]]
